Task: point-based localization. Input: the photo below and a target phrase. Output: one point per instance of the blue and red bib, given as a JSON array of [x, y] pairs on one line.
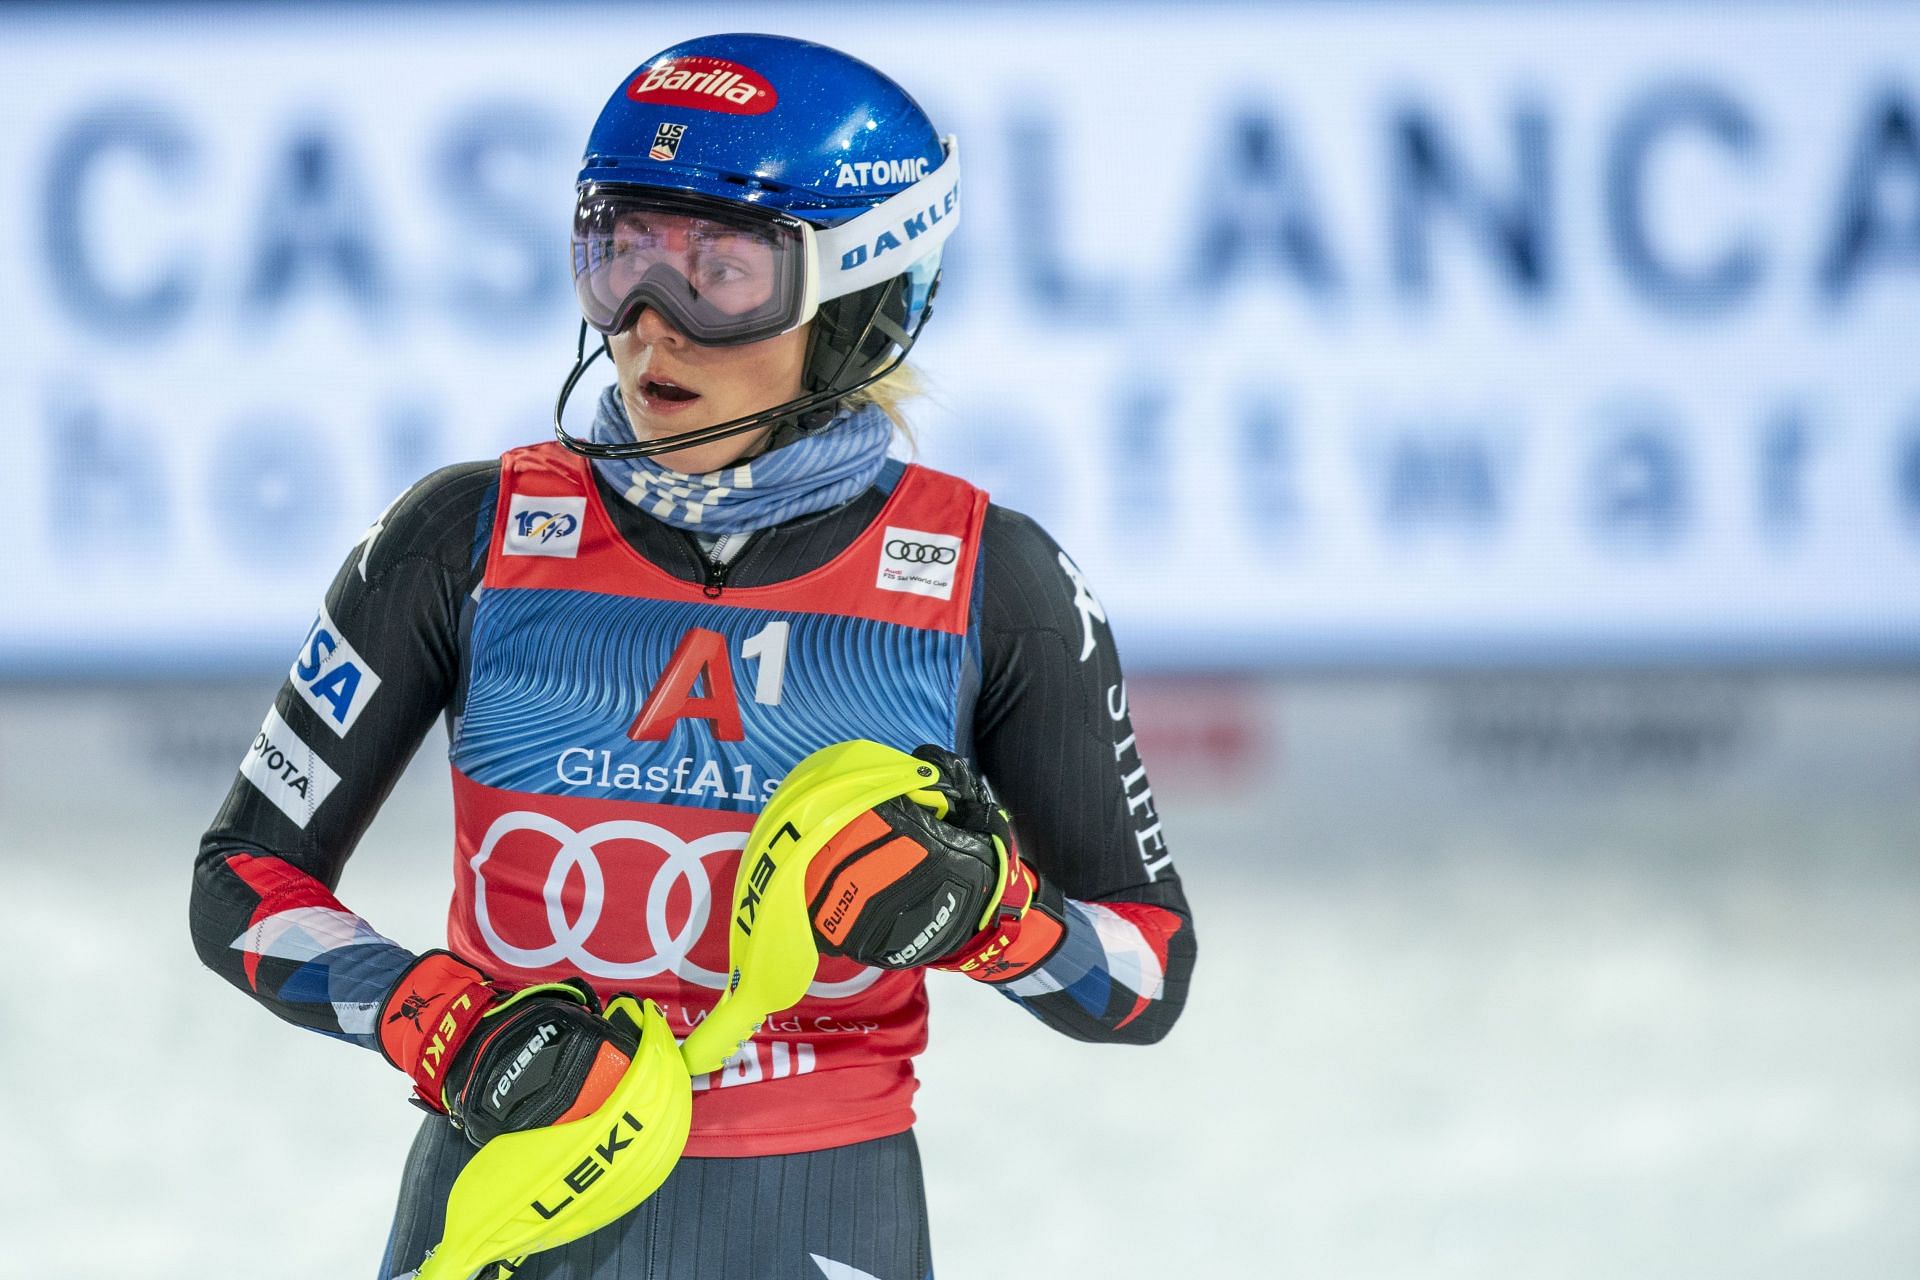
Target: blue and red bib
[[623, 730]]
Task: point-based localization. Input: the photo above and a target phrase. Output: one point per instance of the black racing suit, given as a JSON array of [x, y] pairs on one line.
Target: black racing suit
[[1050, 730]]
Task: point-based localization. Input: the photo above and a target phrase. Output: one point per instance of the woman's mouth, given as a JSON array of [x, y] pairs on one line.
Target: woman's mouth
[[661, 396]]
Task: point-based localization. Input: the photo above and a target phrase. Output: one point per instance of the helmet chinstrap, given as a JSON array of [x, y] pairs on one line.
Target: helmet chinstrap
[[806, 413]]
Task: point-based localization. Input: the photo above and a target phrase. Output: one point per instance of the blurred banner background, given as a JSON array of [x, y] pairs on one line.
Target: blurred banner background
[[1493, 430]]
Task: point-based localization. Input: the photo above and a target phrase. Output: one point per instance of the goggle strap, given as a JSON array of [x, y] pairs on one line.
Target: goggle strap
[[859, 254], [810, 278]]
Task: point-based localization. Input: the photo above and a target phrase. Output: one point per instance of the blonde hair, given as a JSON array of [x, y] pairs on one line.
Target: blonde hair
[[890, 394]]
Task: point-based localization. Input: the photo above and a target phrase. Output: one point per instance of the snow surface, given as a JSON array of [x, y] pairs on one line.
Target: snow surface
[[1460, 1010]]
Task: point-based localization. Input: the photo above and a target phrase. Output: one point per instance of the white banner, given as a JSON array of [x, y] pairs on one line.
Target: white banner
[[1324, 334]]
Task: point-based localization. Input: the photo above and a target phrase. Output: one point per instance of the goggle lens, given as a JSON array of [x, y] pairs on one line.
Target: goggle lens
[[720, 280]]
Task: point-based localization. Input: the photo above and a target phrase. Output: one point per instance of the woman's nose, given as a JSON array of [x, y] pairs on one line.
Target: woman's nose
[[653, 329]]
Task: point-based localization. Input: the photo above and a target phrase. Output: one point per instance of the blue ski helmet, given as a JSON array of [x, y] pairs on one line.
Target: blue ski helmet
[[833, 170]]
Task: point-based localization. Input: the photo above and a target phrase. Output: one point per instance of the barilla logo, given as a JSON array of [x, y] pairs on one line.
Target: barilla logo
[[706, 84]]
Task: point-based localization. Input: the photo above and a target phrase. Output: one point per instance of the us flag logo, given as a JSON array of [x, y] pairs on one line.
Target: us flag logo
[[666, 141]]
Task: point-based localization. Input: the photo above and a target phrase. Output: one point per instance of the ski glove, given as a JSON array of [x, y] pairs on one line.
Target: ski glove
[[496, 1062], [542, 1056], [930, 878], [428, 1015]]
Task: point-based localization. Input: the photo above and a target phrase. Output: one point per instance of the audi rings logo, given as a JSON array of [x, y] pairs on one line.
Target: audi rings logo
[[918, 561], [920, 552], [692, 863]]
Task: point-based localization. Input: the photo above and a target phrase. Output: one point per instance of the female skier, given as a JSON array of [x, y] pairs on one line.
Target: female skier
[[634, 637]]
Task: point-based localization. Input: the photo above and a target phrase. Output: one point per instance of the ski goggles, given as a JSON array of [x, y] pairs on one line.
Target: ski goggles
[[725, 274]]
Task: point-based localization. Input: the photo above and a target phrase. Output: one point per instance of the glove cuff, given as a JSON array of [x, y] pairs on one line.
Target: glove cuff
[[1027, 928], [428, 1015]]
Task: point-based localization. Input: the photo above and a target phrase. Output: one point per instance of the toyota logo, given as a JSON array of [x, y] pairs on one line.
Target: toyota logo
[[685, 864], [920, 552]]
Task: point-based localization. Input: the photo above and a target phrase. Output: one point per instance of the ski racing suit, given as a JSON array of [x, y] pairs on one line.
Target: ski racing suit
[[620, 700]]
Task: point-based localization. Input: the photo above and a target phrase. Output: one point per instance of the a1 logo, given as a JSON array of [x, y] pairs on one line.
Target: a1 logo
[[332, 679], [698, 683]]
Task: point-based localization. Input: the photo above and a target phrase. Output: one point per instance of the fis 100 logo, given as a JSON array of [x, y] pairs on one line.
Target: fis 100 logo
[[543, 526]]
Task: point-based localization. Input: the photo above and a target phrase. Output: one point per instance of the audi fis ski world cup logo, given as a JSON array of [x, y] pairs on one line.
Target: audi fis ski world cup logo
[[540, 526], [666, 141], [706, 84], [623, 900], [919, 563], [921, 552]]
